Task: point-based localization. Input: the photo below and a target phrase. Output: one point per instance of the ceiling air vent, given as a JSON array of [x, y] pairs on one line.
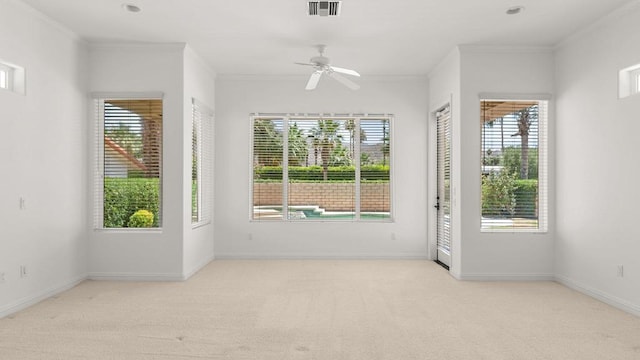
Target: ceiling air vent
[[324, 8]]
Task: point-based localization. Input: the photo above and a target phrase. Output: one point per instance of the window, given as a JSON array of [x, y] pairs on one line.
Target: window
[[12, 78], [325, 168], [129, 162], [5, 77], [629, 81], [514, 165], [201, 176]]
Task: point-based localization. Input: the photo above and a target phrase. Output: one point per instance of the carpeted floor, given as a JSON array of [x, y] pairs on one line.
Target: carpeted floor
[[325, 310]]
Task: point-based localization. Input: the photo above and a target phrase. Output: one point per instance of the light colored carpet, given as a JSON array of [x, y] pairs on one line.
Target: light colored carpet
[[324, 309]]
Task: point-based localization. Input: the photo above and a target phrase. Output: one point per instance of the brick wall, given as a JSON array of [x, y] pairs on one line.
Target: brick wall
[[331, 196]]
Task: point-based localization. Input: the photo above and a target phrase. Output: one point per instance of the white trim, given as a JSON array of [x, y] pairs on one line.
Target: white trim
[[57, 25], [294, 77], [125, 276], [609, 18], [515, 96], [504, 277], [326, 256], [609, 299], [31, 300], [469, 48], [122, 95], [180, 46], [198, 267]]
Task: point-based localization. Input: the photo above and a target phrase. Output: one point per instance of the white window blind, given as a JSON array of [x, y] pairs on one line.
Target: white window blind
[[4, 78], [443, 197], [326, 168], [202, 163], [129, 163], [514, 165]]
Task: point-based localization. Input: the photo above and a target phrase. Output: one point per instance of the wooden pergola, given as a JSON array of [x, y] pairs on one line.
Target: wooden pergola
[[491, 110]]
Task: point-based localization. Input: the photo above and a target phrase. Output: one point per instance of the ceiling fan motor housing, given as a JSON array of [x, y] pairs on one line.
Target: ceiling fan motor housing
[[320, 60]]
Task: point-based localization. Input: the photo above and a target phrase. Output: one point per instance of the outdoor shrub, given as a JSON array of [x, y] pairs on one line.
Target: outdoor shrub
[[512, 161], [526, 193], [314, 173], [498, 194], [123, 197], [141, 219]]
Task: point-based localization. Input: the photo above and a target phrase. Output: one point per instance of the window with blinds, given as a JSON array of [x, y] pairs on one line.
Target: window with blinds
[[5, 77], [129, 163], [514, 165], [12, 78], [201, 163], [629, 81], [325, 168]]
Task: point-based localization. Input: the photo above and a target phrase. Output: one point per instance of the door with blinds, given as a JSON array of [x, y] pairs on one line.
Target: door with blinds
[[443, 196]]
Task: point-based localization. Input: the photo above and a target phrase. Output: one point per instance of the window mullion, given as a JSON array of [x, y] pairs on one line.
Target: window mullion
[[357, 161], [285, 168]]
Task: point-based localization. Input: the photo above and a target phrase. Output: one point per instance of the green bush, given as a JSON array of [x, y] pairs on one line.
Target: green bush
[[141, 219], [526, 193], [314, 173], [512, 161], [498, 194], [123, 197]]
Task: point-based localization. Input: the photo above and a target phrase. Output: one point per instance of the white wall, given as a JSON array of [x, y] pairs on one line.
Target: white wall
[[156, 254], [199, 83], [460, 78], [504, 71], [237, 97], [444, 88], [43, 151], [598, 169]]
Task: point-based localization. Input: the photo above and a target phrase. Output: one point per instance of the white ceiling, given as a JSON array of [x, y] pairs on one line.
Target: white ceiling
[[377, 37]]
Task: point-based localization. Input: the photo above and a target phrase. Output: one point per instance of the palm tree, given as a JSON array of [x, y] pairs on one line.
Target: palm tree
[[350, 125], [524, 124], [326, 138], [267, 143], [298, 151], [385, 141]]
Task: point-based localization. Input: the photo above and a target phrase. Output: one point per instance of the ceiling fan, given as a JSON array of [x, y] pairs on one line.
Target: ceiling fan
[[321, 65]]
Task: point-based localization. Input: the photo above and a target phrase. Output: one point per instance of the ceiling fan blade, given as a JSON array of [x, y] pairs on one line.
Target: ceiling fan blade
[[306, 64], [346, 82], [344, 71], [313, 80]]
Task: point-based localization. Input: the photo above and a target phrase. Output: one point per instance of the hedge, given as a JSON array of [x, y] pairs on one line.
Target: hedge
[[314, 173], [526, 193], [523, 202], [123, 197]]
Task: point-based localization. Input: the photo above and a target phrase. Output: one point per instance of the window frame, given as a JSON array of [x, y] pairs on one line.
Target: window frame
[[99, 99], [635, 81], [544, 117], [629, 81], [202, 125], [357, 180], [9, 76]]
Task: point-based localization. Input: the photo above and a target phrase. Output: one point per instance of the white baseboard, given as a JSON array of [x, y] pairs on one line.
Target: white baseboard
[[307, 256], [25, 302], [198, 267], [114, 276], [597, 294], [504, 277]]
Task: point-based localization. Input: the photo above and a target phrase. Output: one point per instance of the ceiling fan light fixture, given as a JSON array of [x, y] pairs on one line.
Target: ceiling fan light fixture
[[514, 10]]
